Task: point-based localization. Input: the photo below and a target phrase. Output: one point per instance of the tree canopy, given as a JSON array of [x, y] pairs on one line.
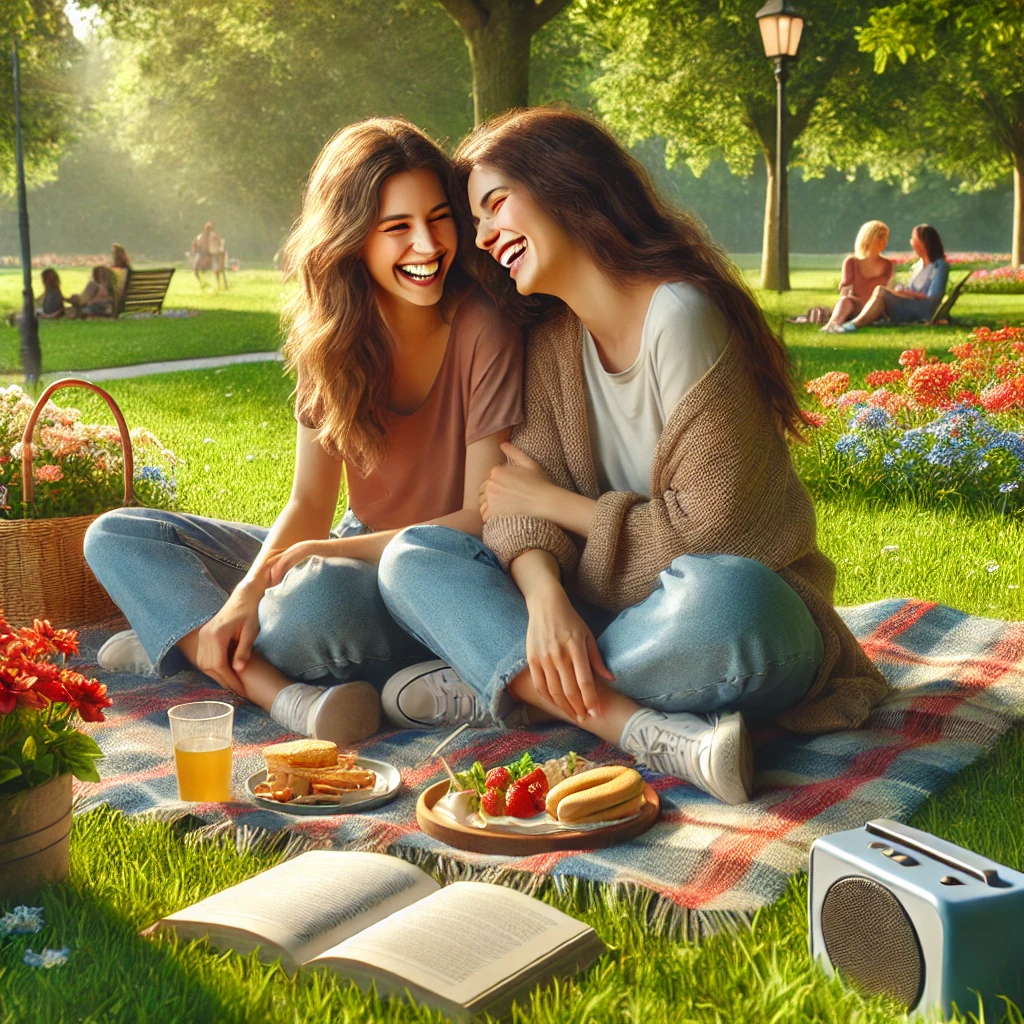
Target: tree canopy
[[967, 99], [48, 54]]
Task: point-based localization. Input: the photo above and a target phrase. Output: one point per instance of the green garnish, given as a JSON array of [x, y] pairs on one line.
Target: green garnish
[[570, 762], [473, 779], [522, 767]]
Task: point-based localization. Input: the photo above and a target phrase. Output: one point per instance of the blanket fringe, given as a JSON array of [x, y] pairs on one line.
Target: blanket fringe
[[661, 915]]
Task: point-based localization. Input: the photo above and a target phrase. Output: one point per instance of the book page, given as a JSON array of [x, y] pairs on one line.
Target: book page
[[461, 941], [306, 904]]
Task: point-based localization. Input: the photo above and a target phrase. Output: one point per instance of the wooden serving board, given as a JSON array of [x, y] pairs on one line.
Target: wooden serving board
[[478, 840]]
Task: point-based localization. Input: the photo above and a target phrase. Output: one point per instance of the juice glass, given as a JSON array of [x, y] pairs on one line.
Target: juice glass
[[201, 737]]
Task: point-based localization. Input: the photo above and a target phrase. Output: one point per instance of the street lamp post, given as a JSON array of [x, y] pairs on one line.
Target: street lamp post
[[31, 360], [781, 27]]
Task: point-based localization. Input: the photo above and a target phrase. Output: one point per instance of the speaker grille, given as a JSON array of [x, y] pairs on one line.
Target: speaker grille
[[871, 941]]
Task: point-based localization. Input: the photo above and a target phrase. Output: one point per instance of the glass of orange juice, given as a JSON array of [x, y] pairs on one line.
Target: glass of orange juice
[[201, 737]]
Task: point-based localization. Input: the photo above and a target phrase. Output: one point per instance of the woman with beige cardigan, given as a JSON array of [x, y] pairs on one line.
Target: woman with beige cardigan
[[665, 579]]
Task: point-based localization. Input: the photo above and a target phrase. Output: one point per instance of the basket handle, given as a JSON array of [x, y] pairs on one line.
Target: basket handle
[[27, 481]]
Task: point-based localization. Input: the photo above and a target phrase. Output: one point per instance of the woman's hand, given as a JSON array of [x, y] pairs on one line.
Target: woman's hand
[[563, 655], [276, 566], [518, 488], [224, 644]]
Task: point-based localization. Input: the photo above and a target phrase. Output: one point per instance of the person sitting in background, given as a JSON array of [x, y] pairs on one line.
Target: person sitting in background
[[97, 297], [119, 258], [921, 296], [863, 272], [52, 307]]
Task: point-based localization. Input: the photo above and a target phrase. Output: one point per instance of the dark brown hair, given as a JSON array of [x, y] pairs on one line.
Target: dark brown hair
[[931, 242], [50, 279], [604, 199], [337, 338]]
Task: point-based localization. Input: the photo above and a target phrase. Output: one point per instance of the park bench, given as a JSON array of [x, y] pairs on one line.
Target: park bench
[[942, 313], [143, 291]]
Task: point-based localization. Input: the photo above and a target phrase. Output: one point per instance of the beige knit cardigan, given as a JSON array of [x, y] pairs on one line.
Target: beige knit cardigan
[[722, 482]]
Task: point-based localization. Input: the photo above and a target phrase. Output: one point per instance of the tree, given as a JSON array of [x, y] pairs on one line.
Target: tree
[[238, 97], [968, 101], [498, 35], [694, 73], [48, 57]]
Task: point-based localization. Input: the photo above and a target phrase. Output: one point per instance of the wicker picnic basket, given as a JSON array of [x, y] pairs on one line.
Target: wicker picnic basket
[[43, 573]]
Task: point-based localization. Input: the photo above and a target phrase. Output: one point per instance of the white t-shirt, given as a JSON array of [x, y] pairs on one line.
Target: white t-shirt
[[684, 333]]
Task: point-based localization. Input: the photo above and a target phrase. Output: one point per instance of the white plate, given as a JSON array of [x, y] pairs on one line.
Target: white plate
[[385, 789]]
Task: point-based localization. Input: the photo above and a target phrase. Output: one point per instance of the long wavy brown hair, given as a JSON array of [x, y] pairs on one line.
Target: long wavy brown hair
[[604, 199], [337, 339]]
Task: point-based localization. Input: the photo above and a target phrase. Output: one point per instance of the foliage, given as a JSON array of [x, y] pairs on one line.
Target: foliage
[[40, 700], [48, 53], [78, 468], [240, 96], [930, 430]]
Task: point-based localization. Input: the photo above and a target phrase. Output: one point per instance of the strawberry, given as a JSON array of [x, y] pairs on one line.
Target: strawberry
[[519, 802], [498, 778], [538, 778], [493, 803], [538, 794]]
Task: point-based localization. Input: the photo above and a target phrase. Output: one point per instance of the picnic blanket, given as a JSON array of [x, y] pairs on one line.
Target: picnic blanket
[[959, 684]]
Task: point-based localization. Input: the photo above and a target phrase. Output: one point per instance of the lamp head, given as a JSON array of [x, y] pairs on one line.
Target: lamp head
[[781, 27]]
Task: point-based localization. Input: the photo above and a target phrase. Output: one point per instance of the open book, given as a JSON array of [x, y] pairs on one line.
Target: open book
[[464, 948]]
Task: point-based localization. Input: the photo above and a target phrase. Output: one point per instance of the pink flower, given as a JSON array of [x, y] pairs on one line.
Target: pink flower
[[814, 419], [48, 474], [886, 400], [851, 398]]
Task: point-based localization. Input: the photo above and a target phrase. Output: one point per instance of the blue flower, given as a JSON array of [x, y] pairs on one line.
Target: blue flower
[[870, 418], [47, 958], [21, 921], [1009, 488], [154, 473], [852, 444]]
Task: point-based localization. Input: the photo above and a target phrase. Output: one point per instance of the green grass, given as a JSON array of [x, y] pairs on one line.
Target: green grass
[[125, 873], [244, 319]]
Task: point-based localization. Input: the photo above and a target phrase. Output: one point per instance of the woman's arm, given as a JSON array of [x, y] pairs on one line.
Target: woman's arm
[[481, 456], [846, 282]]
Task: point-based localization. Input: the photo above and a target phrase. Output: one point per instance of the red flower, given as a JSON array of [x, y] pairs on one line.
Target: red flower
[[886, 400], [814, 419], [48, 682], [911, 358], [828, 387], [876, 378], [930, 384], [851, 398], [963, 350], [88, 695], [16, 687], [966, 397], [64, 640], [33, 643], [1004, 396]]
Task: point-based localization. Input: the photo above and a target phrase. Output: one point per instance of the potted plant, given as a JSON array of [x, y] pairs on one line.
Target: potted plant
[[41, 699]]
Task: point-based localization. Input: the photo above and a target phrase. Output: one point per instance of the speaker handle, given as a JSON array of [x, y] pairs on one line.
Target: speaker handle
[[938, 849]]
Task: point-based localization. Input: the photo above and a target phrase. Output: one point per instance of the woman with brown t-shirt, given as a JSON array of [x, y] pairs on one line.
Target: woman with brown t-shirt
[[409, 379]]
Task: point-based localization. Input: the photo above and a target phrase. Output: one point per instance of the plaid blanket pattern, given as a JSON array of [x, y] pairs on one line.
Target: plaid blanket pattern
[[958, 685]]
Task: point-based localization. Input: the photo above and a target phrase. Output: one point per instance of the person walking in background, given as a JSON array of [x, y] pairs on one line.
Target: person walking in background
[[921, 296], [863, 272], [204, 246]]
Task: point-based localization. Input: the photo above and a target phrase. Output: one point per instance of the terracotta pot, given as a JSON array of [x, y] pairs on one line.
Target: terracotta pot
[[35, 832]]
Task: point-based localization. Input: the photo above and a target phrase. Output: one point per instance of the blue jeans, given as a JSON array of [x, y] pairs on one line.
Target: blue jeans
[[170, 573], [719, 633]]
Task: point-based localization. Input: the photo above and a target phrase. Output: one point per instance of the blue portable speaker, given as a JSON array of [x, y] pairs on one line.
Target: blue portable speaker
[[897, 911]]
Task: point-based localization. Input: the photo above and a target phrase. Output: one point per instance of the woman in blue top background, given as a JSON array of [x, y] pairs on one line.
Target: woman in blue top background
[[921, 296]]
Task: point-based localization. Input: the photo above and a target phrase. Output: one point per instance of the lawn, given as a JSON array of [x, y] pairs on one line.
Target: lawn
[[233, 429], [246, 318]]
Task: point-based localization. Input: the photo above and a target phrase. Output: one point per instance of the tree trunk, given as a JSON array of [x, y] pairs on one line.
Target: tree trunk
[[498, 34], [499, 52], [771, 259], [1016, 254]]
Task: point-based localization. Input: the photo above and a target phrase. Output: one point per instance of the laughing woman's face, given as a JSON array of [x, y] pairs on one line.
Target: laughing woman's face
[[517, 232], [412, 246]]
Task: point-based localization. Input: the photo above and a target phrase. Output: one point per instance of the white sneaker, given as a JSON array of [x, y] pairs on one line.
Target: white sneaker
[[716, 756], [124, 652], [431, 695]]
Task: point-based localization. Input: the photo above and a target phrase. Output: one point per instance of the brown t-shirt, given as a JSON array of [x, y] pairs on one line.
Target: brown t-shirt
[[477, 392]]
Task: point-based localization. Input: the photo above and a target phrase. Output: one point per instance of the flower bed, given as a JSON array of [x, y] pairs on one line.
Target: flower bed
[[954, 259], [78, 467], [929, 430], [1000, 281]]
